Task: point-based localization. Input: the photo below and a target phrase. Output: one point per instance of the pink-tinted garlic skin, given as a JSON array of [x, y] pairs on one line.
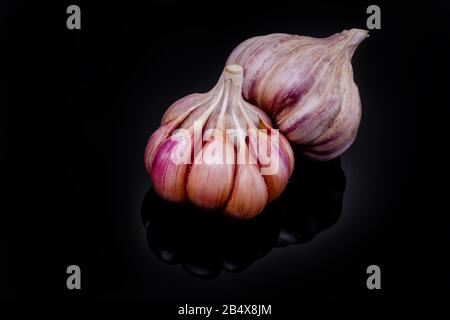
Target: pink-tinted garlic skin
[[239, 190], [305, 84]]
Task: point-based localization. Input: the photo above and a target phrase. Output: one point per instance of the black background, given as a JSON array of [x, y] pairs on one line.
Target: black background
[[77, 107]]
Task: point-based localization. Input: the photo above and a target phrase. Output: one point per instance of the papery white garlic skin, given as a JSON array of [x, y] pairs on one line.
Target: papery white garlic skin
[[306, 84], [238, 188]]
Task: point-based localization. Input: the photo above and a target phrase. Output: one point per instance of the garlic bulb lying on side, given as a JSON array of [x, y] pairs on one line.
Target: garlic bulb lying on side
[[219, 152], [306, 84]]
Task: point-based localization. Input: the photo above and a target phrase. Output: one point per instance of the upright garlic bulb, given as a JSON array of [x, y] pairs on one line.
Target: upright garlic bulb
[[306, 84], [219, 152]]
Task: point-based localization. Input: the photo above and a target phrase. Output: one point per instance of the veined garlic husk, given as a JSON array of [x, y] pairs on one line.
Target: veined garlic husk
[[305, 84], [219, 151]]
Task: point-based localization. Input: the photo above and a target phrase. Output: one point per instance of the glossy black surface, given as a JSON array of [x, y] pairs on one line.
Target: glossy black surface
[[78, 107], [207, 242]]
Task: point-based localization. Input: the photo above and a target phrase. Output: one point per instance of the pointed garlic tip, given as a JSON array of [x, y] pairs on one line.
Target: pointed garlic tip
[[355, 31], [354, 37]]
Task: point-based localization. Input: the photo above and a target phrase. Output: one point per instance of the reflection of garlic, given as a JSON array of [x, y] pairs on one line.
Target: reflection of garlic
[[306, 84], [219, 151]]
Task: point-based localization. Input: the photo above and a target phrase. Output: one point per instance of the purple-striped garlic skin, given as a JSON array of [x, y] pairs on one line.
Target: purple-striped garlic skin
[[240, 182], [306, 85]]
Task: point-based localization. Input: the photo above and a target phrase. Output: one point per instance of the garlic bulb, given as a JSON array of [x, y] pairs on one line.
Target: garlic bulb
[[219, 152], [306, 84]]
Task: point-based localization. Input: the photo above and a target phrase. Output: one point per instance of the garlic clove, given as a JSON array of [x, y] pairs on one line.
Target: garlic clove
[[249, 195], [168, 174], [306, 84], [276, 183], [211, 177], [153, 144]]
